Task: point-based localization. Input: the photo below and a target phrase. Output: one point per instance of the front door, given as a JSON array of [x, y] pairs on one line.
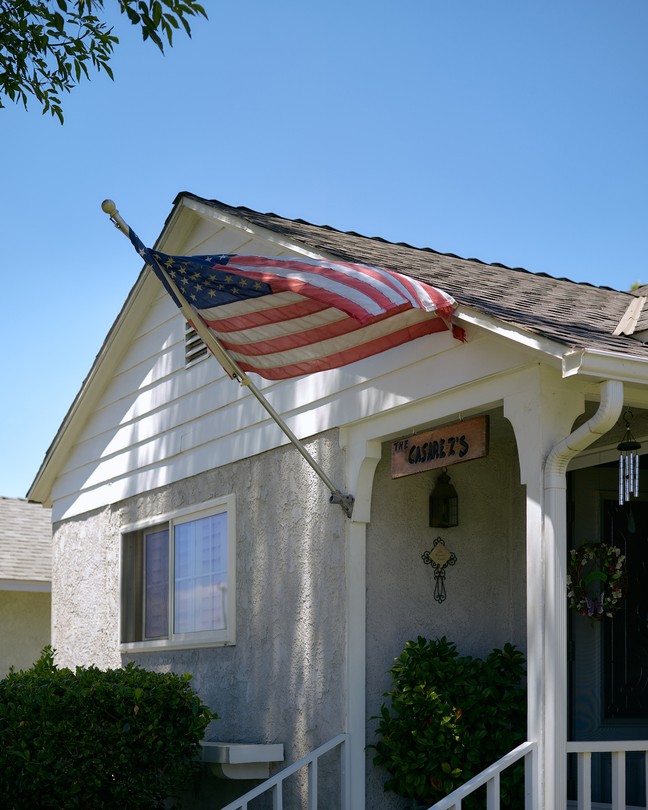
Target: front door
[[609, 657]]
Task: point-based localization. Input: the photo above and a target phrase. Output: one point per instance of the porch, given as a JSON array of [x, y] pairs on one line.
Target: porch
[[584, 774]]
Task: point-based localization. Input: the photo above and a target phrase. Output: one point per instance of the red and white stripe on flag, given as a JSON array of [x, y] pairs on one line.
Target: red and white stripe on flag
[[321, 315]]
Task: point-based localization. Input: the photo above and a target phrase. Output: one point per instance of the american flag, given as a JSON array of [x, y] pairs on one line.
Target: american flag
[[284, 317]]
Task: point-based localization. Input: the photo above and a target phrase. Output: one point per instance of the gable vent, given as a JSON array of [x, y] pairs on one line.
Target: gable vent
[[195, 349]]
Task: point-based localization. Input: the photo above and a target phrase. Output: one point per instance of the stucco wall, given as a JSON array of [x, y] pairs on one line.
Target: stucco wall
[[283, 680], [24, 628], [485, 605]]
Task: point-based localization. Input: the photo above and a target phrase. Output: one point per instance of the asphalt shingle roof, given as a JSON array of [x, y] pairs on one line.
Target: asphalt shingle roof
[[25, 540], [574, 314]]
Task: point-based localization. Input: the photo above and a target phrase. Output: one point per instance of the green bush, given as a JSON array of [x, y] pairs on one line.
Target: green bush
[[123, 738], [449, 718]]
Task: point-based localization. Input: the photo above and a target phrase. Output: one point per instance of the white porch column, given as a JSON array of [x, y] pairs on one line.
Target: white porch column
[[555, 545], [541, 413], [362, 458]]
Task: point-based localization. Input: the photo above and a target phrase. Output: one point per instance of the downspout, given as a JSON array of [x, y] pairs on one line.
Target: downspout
[[555, 551]]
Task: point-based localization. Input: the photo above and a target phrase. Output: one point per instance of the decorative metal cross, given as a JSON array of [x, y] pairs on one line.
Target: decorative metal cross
[[439, 558]]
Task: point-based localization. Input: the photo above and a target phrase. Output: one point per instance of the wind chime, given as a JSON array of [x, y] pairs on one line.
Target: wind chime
[[628, 464]]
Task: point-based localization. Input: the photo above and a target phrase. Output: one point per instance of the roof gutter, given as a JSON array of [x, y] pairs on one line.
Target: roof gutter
[[606, 365], [555, 577]]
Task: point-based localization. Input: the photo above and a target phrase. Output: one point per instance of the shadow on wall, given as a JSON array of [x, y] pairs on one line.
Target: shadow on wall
[[283, 680]]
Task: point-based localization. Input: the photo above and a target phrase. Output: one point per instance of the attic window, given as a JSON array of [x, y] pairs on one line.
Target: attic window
[[195, 349]]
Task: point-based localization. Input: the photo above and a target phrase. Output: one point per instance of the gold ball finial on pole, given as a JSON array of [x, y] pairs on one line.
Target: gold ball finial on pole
[[109, 207]]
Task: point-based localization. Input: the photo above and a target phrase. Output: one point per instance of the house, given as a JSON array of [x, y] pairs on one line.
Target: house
[[25, 582], [161, 452]]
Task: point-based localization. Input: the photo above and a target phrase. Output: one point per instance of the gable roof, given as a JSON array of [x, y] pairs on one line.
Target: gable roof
[[571, 324], [25, 543], [580, 316]]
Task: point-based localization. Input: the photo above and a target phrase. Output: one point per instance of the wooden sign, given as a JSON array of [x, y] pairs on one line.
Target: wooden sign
[[441, 447]]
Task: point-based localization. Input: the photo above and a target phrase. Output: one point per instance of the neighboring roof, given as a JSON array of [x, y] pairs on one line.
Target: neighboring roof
[[25, 542], [581, 316]]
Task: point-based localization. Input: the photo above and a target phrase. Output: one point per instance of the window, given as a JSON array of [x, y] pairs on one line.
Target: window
[[178, 579]]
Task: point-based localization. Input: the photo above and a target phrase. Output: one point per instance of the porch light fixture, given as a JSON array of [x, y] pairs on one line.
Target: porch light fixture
[[628, 463], [444, 503]]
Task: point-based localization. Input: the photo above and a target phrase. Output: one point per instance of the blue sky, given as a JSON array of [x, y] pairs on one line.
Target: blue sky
[[513, 132]]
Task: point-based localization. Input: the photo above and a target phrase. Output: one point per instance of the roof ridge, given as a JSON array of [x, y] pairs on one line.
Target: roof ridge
[[630, 318], [242, 209]]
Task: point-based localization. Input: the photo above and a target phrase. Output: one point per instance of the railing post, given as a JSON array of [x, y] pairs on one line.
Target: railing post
[[312, 785], [584, 764], [531, 780], [618, 780], [345, 774], [493, 793]]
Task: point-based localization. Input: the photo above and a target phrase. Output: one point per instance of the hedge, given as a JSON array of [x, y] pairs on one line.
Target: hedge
[[91, 738], [448, 718]]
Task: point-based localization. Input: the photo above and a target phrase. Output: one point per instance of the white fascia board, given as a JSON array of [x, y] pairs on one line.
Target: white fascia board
[[134, 309], [548, 347], [240, 223], [585, 362], [605, 366], [178, 228]]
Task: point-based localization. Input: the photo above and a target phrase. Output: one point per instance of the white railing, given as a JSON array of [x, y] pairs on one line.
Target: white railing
[[274, 785], [617, 750], [491, 778]]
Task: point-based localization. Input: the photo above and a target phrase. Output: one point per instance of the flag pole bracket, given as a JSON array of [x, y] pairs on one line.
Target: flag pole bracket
[[346, 502]]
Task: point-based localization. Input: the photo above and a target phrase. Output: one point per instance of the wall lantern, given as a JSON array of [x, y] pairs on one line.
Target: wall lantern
[[444, 503]]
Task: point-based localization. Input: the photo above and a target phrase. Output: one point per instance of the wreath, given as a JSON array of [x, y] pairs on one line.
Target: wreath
[[607, 573]]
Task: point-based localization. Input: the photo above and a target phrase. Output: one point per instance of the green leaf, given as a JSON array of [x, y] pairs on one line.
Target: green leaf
[[594, 576]]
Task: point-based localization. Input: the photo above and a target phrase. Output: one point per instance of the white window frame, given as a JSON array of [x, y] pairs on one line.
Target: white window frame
[[132, 582]]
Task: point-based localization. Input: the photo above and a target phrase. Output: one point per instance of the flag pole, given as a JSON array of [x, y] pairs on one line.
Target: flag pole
[[234, 372]]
